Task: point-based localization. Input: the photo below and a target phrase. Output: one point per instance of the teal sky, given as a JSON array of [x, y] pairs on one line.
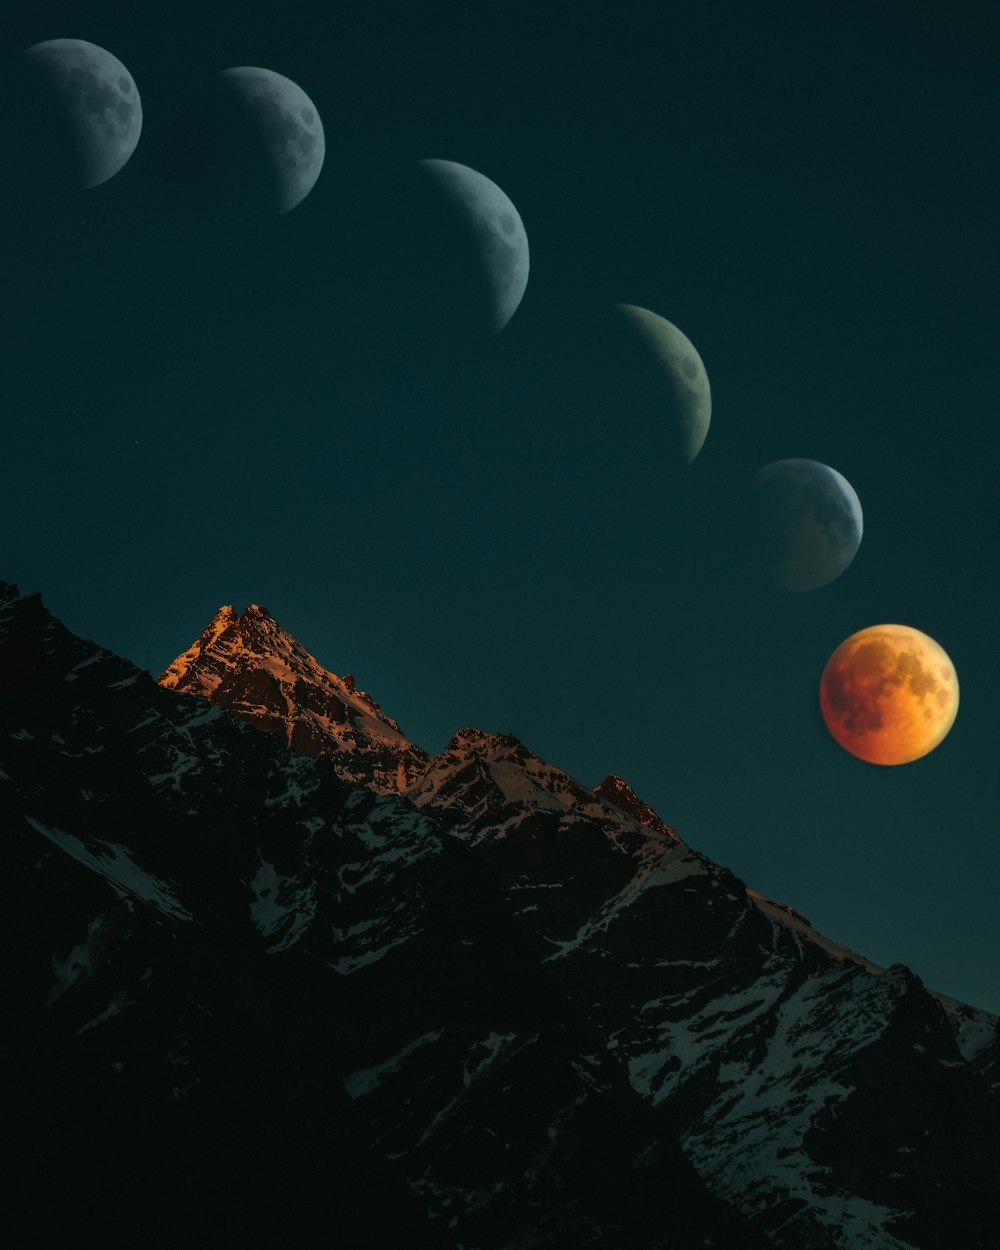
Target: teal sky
[[810, 192]]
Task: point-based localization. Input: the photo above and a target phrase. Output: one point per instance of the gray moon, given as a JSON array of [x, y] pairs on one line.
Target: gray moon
[[806, 524], [500, 238], [288, 125], [681, 382], [99, 99]]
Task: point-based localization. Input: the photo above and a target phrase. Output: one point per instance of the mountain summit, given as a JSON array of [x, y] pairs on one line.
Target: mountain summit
[[251, 667]]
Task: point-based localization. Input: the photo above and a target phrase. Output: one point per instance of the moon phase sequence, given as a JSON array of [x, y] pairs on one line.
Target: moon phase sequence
[[99, 100], [889, 694]]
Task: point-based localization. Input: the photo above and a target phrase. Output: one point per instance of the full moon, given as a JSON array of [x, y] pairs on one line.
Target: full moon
[[889, 694], [98, 98]]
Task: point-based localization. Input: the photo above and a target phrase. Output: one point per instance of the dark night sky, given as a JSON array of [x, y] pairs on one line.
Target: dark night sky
[[809, 191]]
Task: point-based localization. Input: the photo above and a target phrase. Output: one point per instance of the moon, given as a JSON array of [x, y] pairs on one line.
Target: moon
[[806, 524], [889, 694], [287, 125], [501, 243], [674, 380], [97, 97]]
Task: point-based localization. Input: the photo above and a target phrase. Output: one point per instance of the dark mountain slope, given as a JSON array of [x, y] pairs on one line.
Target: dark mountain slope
[[251, 1004]]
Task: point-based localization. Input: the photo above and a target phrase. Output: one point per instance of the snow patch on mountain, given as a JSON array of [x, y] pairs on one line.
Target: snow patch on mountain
[[784, 917], [669, 868], [282, 907], [749, 1143], [494, 1049], [115, 864], [81, 962], [119, 1002], [365, 1080], [975, 1030]]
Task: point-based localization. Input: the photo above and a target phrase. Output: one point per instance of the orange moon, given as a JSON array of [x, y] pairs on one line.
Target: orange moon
[[889, 694]]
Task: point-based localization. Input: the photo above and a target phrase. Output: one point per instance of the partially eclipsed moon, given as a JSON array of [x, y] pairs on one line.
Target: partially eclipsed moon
[[501, 241], [99, 99], [288, 126], [677, 381], [889, 694], [806, 524]]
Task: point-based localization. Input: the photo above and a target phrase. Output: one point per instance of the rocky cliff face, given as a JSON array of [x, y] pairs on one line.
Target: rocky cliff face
[[451, 1001]]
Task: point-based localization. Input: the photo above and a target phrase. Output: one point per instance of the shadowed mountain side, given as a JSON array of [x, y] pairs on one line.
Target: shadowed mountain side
[[752, 1032]]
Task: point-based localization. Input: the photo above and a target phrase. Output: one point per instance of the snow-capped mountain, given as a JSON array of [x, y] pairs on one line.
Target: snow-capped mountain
[[460, 1001], [251, 667]]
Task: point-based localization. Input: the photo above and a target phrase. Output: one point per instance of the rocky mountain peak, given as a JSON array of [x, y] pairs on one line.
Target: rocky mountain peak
[[483, 742], [251, 666], [614, 790]]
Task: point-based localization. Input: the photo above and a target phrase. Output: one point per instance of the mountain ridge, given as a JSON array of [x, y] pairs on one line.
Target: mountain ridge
[[781, 976], [252, 1000], [490, 790], [519, 988]]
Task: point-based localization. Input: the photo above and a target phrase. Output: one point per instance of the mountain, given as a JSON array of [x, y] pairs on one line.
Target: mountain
[[768, 1046], [460, 1000], [247, 1003]]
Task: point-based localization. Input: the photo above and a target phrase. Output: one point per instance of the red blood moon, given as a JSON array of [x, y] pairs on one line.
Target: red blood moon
[[889, 694]]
